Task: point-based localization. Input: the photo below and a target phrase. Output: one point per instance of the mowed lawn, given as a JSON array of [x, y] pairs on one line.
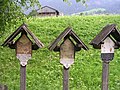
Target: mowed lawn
[[44, 71]]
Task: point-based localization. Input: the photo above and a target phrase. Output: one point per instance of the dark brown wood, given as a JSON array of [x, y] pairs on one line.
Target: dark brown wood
[[65, 78], [97, 46], [107, 31], [57, 49], [24, 45], [22, 28], [116, 34], [105, 74], [22, 77], [3, 87], [23, 49]]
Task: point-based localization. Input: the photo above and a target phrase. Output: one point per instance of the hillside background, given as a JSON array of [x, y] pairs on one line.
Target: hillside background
[[111, 6], [44, 71]]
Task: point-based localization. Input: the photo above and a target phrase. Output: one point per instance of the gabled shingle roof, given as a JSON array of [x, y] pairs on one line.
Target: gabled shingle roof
[[106, 31], [67, 31], [23, 27], [50, 8]]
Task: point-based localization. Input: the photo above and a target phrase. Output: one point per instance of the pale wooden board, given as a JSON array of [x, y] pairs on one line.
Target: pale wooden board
[[108, 46], [67, 53]]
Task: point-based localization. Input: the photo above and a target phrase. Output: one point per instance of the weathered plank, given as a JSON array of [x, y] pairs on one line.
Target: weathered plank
[[23, 77], [67, 53], [65, 78], [105, 74]]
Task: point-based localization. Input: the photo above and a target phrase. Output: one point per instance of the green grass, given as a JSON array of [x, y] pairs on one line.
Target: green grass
[[44, 72]]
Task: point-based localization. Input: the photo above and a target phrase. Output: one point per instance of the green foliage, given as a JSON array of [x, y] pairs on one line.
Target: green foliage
[[44, 72], [33, 13], [11, 12]]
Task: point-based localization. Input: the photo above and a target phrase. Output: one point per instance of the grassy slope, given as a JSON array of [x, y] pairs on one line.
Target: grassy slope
[[44, 72]]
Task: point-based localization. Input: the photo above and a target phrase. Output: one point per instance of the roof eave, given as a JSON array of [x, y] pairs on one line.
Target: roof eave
[[78, 40], [15, 33], [61, 36], [93, 42], [37, 41], [12, 36]]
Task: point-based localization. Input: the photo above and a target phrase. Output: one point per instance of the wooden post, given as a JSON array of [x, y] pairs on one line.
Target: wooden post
[[107, 54], [23, 53], [3, 87], [67, 48], [106, 41], [23, 47], [22, 77], [67, 54], [65, 78], [105, 74]]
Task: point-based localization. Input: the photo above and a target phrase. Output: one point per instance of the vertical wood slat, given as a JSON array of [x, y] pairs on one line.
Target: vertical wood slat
[[65, 78], [22, 77], [105, 74], [3, 87]]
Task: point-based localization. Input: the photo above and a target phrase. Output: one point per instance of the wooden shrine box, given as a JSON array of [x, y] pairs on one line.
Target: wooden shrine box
[[107, 40], [23, 45], [70, 43]]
